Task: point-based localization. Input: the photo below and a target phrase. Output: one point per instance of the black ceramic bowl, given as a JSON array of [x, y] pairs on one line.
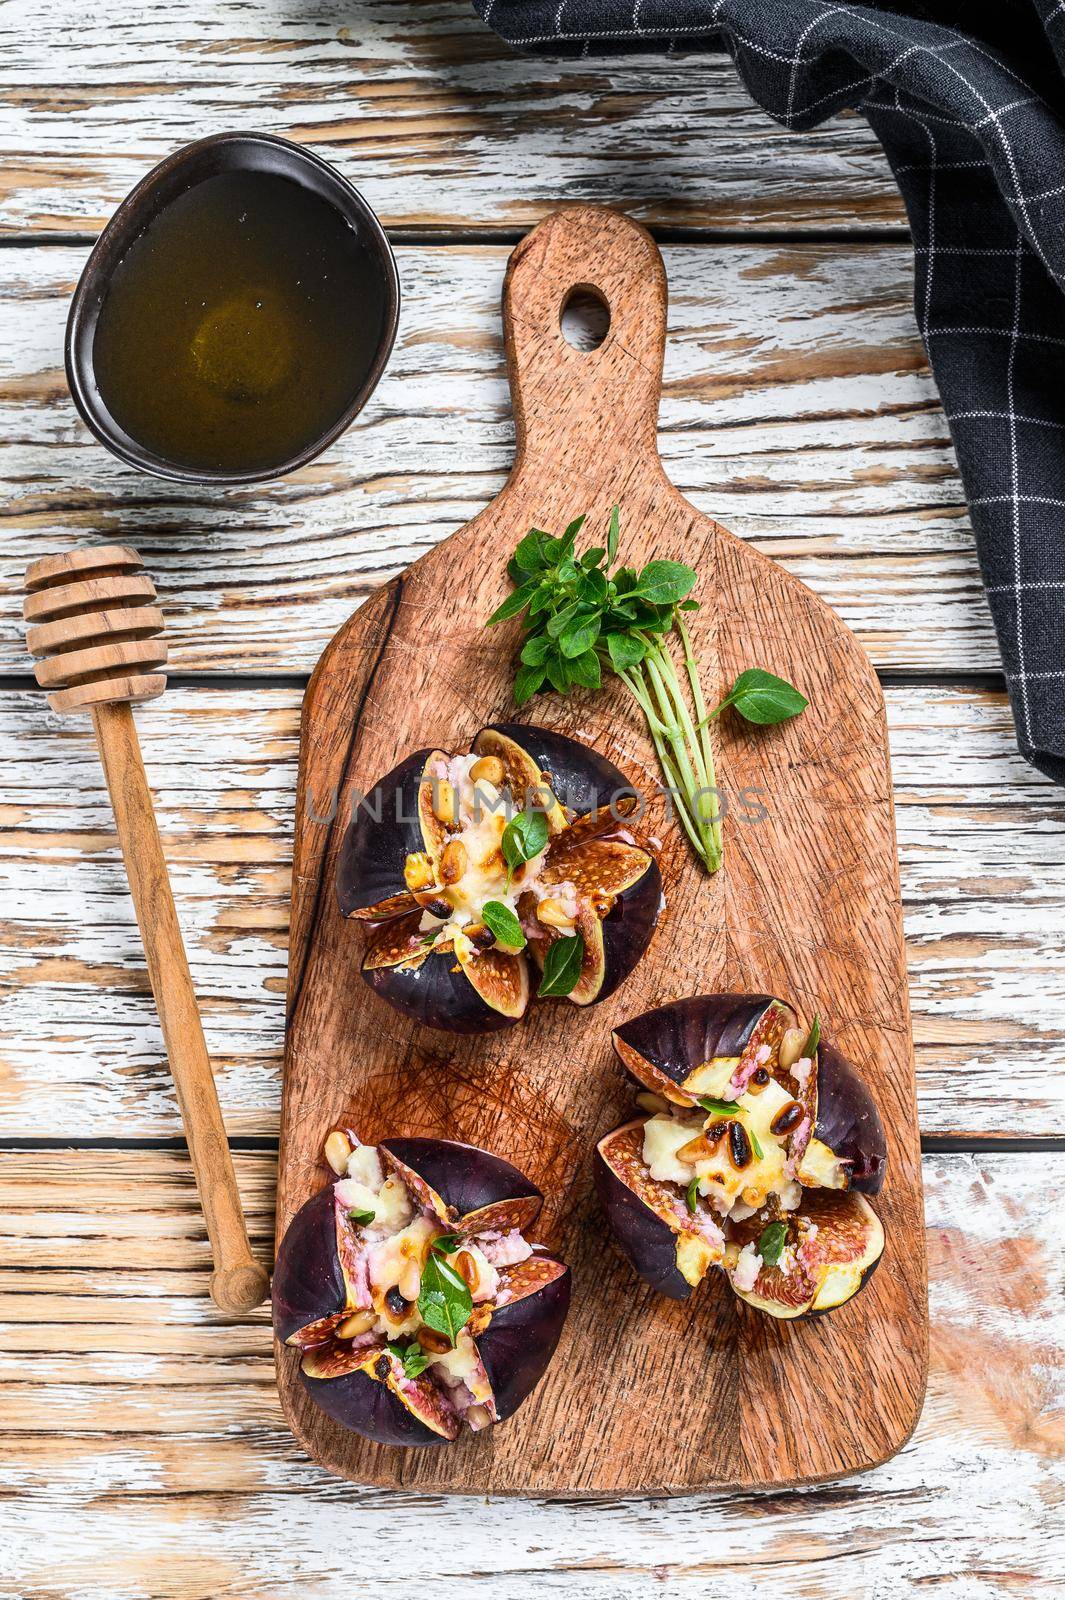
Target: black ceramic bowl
[[224, 153]]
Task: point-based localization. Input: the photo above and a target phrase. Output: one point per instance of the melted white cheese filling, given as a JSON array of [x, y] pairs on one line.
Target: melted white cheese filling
[[484, 812], [396, 1245], [731, 1192]]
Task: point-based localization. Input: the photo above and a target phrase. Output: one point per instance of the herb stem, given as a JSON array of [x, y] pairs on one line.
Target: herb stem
[[662, 750], [699, 784], [703, 726]]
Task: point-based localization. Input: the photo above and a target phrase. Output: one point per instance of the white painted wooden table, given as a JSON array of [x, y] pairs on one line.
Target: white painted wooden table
[[143, 1453]]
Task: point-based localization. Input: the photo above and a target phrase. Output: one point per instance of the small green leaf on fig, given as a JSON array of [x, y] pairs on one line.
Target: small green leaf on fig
[[771, 1242], [502, 922], [562, 967]]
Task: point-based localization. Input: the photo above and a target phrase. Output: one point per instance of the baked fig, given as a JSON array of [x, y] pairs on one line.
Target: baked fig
[[749, 1048], [756, 1140], [417, 1303], [463, 866], [805, 1262]]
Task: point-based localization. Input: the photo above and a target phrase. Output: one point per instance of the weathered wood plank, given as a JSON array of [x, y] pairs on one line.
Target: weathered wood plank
[[797, 409], [147, 1456], [419, 104], [983, 882]]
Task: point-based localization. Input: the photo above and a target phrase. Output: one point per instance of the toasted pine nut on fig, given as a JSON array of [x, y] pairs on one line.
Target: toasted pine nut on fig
[[696, 1149], [739, 1146], [759, 1079], [553, 914], [489, 769], [791, 1043], [358, 1322], [337, 1151], [436, 1343], [480, 937], [651, 1102], [466, 1267], [478, 1417], [418, 871], [410, 1282], [752, 1197], [445, 802], [787, 1118], [453, 862]]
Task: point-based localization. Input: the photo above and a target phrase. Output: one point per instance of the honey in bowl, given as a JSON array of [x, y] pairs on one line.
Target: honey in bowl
[[236, 326], [234, 315]]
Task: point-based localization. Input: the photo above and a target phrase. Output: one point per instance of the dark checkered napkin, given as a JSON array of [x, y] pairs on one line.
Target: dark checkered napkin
[[969, 103]]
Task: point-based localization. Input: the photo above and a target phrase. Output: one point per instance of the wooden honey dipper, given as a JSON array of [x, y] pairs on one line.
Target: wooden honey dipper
[[97, 635]]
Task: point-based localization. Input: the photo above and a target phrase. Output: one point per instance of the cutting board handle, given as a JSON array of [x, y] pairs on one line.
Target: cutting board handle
[[592, 413]]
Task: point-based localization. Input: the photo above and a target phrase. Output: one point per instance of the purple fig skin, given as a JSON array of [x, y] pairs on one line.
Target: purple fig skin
[[373, 853], [848, 1121], [308, 1282], [467, 1179], [361, 1403], [678, 1037], [437, 997], [580, 777], [628, 927], [647, 1242], [517, 1346]]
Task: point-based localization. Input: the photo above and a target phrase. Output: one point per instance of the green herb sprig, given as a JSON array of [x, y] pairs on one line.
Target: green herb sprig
[[771, 1242], [726, 1108], [583, 615], [763, 698], [361, 1219], [414, 1358], [562, 967], [503, 924], [444, 1300], [524, 838]]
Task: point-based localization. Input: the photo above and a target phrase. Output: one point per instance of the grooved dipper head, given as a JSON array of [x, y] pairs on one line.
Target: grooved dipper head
[[94, 628]]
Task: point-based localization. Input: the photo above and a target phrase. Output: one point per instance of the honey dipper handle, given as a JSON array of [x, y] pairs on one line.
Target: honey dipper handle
[[238, 1282]]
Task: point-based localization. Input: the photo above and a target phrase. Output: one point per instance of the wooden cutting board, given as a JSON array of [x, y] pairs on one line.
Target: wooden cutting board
[[644, 1395]]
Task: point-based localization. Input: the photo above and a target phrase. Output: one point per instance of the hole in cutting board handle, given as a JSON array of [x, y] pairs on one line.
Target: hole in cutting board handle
[[584, 318]]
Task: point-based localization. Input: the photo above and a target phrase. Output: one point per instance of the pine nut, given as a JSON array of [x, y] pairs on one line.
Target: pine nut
[[478, 1417], [539, 797], [651, 1102], [430, 1339], [453, 862], [553, 914], [739, 1146], [337, 1151], [752, 1197], [488, 770], [358, 1322], [445, 803], [410, 1282], [791, 1047], [466, 1267], [418, 871], [787, 1117]]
